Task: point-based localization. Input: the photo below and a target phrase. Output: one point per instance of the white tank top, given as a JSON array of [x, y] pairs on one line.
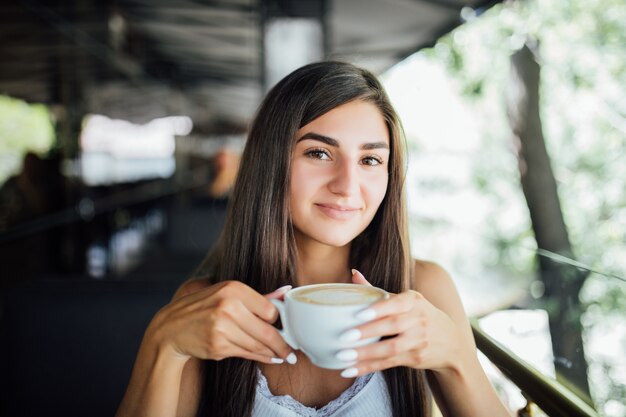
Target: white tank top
[[368, 396]]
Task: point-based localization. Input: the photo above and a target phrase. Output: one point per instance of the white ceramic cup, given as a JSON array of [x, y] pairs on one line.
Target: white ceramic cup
[[315, 316]]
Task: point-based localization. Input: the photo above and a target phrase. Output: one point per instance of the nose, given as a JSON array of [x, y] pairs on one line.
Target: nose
[[345, 179]]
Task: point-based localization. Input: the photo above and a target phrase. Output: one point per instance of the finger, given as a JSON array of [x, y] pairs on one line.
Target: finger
[[388, 348], [242, 353], [396, 304], [269, 361], [387, 326], [259, 305], [364, 368], [236, 324], [263, 333], [243, 340], [358, 278], [279, 293], [253, 301]]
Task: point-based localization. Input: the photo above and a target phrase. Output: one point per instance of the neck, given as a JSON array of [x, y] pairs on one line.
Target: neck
[[322, 264]]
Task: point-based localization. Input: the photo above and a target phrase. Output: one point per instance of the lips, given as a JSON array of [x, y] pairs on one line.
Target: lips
[[338, 212]]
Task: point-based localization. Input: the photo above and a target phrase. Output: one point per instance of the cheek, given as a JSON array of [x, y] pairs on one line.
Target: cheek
[[375, 191], [303, 184]]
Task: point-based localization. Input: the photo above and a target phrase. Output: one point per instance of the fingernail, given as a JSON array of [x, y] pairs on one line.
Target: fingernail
[[349, 373], [277, 360], [292, 358], [357, 273], [367, 315], [347, 355], [284, 288], [351, 335]]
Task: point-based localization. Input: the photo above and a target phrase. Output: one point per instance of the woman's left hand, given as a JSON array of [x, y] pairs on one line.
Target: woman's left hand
[[422, 336]]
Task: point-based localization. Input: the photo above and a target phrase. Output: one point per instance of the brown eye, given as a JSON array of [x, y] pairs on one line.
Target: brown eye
[[372, 161], [318, 154]]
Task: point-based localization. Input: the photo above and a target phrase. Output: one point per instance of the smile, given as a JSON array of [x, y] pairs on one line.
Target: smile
[[338, 212]]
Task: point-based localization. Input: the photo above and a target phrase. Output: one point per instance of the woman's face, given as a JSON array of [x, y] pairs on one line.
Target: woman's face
[[339, 173]]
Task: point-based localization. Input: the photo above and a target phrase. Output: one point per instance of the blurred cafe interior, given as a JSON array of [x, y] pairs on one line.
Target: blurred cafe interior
[[130, 117], [150, 102]]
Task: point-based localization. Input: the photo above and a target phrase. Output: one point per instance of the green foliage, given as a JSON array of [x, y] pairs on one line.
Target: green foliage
[[580, 46], [23, 127]]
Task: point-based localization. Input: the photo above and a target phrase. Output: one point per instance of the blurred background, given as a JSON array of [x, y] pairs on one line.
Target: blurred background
[[122, 123]]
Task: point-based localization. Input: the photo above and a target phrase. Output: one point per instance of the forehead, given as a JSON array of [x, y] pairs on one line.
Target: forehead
[[354, 121]]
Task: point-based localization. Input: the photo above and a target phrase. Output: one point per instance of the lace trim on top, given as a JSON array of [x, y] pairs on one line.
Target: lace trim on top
[[294, 405]]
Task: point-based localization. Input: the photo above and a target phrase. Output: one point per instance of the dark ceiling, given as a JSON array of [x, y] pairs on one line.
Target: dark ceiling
[[139, 59]]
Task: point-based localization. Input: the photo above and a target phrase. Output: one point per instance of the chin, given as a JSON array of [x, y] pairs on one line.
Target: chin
[[334, 239], [330, 233]]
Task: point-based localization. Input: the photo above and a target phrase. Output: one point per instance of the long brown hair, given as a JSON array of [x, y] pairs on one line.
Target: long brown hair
[[257, 245]]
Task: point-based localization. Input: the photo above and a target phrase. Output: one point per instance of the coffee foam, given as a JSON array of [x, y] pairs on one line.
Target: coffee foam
[[338, 295]]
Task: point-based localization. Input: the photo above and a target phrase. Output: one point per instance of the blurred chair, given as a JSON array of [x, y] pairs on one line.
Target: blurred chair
[[67, 348]]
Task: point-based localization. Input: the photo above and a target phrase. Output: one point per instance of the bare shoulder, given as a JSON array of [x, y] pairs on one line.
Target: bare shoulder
[[190, 286], [437, 286], [431, 279]]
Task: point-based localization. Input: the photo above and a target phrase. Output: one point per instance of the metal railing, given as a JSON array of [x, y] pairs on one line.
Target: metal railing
[[552, 398]]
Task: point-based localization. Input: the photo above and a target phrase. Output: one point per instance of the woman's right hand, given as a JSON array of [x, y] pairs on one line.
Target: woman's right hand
[[227, 319]]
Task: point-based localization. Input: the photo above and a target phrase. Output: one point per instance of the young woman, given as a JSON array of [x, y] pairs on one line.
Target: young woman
[[319, 193]]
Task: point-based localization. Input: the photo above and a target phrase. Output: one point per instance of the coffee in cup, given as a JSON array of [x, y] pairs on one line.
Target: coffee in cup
[[338, 294], [315, 316]]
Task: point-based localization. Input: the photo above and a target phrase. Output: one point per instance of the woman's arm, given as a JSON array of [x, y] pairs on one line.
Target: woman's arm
[[154, 386], [228, 319], [162, 384], [429, 330], [464, 389]]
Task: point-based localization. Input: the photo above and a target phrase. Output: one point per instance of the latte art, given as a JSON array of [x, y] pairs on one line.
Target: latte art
[[338, 294]]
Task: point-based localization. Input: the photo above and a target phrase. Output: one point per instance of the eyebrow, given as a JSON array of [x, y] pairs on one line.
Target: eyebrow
[[335, 143]]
